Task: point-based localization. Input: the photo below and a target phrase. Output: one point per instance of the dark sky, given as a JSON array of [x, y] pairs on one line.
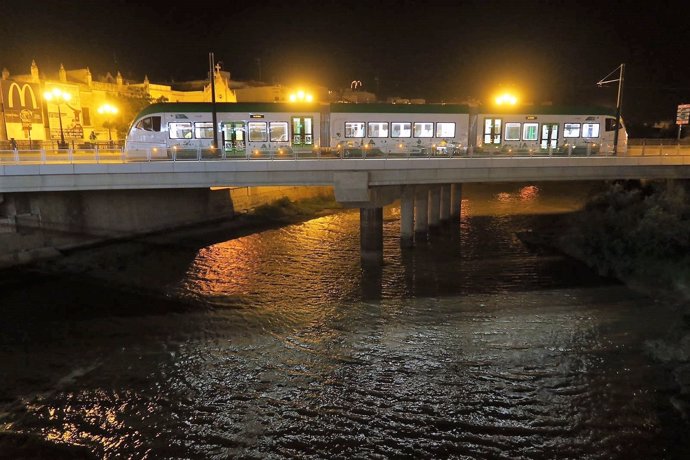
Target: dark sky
[[442, 51]]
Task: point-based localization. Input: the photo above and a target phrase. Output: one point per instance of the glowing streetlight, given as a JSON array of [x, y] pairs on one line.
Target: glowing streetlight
[[108, 111], [506, 99], [301, 96], [58, 96]]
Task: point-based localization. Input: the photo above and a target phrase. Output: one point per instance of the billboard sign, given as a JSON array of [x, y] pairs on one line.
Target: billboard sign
[[21, 103], [683, 114]]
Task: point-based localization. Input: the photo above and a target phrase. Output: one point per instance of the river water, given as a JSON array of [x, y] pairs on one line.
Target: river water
[[277, 344]]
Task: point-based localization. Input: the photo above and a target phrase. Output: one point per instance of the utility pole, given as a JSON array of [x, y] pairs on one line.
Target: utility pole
[[212, 74], [619, 101]]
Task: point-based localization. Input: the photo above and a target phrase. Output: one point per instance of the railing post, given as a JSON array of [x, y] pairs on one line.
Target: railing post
[[43, 156], [661, 147], [589, 148], [98, 160], [644, 142], [570, 149], [16, 155], [70, 155]]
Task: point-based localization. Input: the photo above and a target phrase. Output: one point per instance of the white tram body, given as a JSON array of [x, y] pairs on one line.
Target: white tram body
[[256, 129], [398, 129], [550, 129], [261, 130]]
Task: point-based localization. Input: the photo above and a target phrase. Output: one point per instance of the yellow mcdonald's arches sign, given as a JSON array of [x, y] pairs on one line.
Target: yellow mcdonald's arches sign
[[18, 99]]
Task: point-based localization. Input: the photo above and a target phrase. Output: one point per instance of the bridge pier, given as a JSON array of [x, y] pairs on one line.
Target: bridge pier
[[407, 217], [445, 202], [434, 207], [455, 199], [421, 211], [371, 235]]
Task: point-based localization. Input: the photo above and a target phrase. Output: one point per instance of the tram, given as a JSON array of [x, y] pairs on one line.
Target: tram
[[261, 130]]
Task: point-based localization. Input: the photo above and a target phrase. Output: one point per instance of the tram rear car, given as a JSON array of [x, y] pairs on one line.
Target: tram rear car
[[549, 130]]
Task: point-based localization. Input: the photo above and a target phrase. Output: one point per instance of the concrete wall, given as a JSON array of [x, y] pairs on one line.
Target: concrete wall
[[37, 225]]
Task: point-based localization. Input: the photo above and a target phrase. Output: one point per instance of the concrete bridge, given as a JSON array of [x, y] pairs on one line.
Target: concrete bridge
[[429, 187]]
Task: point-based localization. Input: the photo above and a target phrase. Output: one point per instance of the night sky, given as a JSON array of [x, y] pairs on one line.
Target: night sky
[[442, 51]]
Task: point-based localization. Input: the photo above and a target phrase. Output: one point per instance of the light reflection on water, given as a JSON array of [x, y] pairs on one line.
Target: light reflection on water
[[468, 345]]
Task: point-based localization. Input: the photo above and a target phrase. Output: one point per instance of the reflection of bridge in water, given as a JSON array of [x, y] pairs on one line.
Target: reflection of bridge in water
[[428, 187]]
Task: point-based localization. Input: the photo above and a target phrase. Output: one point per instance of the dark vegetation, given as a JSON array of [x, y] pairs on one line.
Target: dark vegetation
[[636, 232]]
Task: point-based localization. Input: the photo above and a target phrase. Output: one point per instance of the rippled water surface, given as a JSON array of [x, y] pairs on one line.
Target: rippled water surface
[[278, 344]]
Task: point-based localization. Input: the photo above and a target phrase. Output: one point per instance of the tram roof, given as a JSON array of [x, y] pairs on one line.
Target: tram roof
[[399, 108]]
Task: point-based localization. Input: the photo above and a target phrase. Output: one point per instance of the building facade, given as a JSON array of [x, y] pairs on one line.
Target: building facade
[[32, 121]]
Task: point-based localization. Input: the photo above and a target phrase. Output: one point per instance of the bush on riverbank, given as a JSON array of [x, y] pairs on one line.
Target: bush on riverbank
[[639, 233], [285, 210]]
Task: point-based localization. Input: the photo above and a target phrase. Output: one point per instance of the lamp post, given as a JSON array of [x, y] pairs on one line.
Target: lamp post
[[108, 111], [619, 100], [58, 96]]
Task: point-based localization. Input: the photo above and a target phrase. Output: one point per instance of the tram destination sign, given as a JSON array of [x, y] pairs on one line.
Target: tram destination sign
[[683, 115]]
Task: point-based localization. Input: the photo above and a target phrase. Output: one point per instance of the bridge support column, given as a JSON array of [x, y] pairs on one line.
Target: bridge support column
[[371, 235], [445, 202], [421, 210], [455, 199], [407, 217], [434, 206]]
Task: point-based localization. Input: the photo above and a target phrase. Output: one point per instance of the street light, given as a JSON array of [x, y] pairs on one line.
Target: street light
[[108, 111], [59, 97]]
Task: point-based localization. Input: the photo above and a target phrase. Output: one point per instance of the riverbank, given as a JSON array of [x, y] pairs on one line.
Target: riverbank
[[640, 235]]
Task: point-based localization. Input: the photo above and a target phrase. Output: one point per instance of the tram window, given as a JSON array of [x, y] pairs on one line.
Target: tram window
[[257, 131], [377, 129], [149, 124], [278, 131], [354, 129], [610, 124], [571, 130], [180, 130], [401, 129], [590, 130], [203, 130], [445, 129], [423, 129], [512, 131], [530, 131]]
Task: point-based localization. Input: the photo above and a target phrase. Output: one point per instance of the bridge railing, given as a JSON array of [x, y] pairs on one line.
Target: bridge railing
[[636, 147]]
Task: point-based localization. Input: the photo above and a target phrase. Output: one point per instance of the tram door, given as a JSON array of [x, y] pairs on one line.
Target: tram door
[[492, 131], [302, 132], [549, 135], [234, 140]]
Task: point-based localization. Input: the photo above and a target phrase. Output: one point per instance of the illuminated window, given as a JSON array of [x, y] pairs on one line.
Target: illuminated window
[[278, 131], [203, 130], [423, 129], [590, 130], [179, 130], [401, 129], [512, 131], [571, 130], [492, 130], [445, 129], [149, 124], [257, 131], [354, 129], [530, 131], [377, 129]]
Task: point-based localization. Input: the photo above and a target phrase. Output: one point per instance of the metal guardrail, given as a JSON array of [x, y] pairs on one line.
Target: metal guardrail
[[117, 155]]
